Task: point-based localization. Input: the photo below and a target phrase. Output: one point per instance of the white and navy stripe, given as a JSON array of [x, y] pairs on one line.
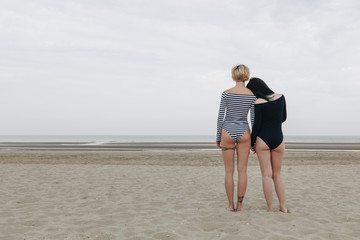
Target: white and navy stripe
[[233, 112]]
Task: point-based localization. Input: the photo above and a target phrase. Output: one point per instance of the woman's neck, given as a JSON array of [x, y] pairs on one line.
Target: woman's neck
[[240, 84]]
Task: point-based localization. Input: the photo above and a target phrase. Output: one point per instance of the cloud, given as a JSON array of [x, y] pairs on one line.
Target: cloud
[[116, 63]]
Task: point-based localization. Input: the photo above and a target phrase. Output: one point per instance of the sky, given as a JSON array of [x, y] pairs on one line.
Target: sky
[[159, 67]]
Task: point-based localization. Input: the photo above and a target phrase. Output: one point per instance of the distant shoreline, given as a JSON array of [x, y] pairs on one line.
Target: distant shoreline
[[171, 146]]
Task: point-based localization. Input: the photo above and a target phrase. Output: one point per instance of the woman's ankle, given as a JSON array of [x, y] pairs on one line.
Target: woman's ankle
[[283, 208]]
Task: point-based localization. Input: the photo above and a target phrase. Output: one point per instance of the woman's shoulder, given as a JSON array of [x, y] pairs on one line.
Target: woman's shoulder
[[236, 91], [274, 97], [278, 95], [260, 100]]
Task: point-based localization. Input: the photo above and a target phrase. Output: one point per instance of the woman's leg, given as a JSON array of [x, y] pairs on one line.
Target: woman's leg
[[243, 150], [264, 155], [228, 152], [277, 156]]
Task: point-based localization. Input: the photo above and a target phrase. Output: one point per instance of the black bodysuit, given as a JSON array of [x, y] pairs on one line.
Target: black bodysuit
[[268, 119]]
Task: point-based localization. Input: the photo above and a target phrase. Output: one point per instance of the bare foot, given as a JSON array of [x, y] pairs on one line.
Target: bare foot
[[231, 208], [283, 209], [239, 207], [270, 209]]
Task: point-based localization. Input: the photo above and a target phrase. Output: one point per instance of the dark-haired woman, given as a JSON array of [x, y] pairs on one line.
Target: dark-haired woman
[[267, 138]]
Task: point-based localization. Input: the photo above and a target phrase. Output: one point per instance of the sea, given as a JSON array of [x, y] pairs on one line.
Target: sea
[[105, 139]]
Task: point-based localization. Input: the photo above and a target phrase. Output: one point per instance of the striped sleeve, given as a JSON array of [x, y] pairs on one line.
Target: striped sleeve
[[220, 120], [252, 115]]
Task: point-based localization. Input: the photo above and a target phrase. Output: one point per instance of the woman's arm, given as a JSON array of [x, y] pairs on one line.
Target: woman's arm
[[284, 111], [252, 115], [257, 124], [220, 120]]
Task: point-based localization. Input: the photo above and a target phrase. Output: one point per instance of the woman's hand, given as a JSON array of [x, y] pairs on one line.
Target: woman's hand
[[218, 144], [253, 149]]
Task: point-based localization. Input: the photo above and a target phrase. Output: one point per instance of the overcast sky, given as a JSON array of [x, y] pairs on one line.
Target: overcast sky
[[160, 66]]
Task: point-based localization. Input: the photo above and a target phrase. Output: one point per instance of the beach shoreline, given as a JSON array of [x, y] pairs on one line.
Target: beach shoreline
[[172, 146]]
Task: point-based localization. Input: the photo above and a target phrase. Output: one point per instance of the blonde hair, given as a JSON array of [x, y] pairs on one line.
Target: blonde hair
[[240, 73]]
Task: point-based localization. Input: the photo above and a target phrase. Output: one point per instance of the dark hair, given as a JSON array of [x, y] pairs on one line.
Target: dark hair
[[260, 89]]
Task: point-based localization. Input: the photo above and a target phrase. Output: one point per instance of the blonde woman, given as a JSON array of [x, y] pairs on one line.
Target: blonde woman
[[233, 134]]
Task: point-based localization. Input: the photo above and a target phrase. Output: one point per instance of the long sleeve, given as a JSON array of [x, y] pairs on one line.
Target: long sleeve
[[257, 124], [284, 111], [220, 120], [252, 115]]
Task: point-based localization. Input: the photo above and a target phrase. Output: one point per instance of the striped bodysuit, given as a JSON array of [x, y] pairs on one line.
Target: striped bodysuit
[[233, 112]]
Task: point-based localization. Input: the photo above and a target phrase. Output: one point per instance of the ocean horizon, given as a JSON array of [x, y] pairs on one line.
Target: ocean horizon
[[104, 139]]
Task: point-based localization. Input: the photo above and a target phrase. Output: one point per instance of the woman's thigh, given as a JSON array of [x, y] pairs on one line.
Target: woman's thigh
[[264, 155], [277, 156], [228, 151], [226, 140], [243, 150]]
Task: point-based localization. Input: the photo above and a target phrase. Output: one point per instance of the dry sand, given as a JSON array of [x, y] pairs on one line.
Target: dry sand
[[172, 195]]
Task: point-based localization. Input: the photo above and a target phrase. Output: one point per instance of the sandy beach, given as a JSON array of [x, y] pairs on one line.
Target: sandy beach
[[59, 194]]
